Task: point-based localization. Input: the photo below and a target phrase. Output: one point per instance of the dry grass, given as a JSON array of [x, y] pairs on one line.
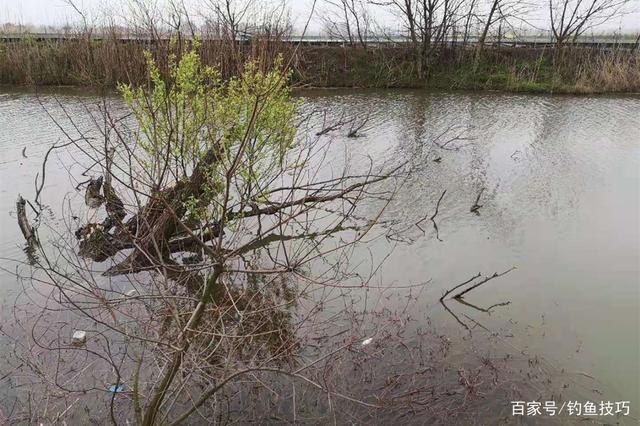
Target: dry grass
[[84, 61], [103, 63], [609, 72]]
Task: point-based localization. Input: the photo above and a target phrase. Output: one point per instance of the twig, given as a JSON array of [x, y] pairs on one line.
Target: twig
[[335, 126], [475, 207], [40, 184], [495, 275], [11, 372], [444, 305], [23, 222], [459, 285], [435, 226], [353, 132], [478, 308], [458, 297]]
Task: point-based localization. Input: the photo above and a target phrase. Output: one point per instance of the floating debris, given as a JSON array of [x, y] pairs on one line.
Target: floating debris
[[92, 196], [131, 293], [365, 342], [23, 222], [476, 206], [116, 388], [79, 338]]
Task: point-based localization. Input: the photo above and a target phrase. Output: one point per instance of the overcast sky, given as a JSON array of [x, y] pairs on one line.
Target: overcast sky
[[57, 12]]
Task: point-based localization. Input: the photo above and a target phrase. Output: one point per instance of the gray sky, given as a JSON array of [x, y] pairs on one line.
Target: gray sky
[[57, 12]]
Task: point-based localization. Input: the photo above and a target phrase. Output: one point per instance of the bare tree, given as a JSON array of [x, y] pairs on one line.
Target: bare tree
[[242, 29], [348, 20], [230, 22], [217, 218], [232, 16], [408, 13], [488, 22], [571, 18], [145, 19], [500, 11], [429, 24], [470, 16]]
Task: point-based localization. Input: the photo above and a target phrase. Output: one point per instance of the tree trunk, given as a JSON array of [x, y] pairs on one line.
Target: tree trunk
[[483, 36]]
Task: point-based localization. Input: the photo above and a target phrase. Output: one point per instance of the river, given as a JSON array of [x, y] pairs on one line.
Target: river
[[559, 185]]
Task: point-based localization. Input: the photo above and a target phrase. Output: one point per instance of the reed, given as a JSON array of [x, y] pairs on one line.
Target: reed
[[86, 61], [613, 71]]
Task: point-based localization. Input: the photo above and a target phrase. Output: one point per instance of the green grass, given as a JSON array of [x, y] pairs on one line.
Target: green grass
[[536, 76], [105, 63]]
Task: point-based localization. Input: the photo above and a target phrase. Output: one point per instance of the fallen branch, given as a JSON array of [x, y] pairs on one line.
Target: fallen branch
[[444, 145], [353, 132], [458, 286], [478, 308], [335, 126], [458, 296], [470, 280], [475, 207], [40, 183], [23, 222], [432, 218], [478, 284], [114, 205], [459, 321]]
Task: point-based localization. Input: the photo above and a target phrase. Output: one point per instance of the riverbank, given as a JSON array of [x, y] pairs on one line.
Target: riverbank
[[534, 70], [105, 63]]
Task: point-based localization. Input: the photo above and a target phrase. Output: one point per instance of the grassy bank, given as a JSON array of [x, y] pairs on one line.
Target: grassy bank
[[570, 70], [543, 70], [104, 63]]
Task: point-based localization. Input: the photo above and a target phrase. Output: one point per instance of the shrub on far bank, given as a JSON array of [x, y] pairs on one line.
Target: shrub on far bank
[[105, 63]]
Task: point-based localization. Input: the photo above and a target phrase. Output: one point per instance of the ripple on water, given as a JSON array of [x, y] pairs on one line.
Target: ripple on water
[[561, 200]]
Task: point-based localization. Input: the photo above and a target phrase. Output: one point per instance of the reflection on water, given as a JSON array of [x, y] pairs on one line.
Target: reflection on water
[[559, 185]]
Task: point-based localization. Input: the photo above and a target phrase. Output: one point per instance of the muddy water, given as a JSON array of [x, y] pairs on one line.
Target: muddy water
[[559, 185]]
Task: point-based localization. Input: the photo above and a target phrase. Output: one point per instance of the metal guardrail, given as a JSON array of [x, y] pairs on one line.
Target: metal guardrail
[[528, 41]]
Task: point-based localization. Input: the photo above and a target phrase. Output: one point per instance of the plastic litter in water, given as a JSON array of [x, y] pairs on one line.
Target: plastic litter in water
[[79, 337], [116, 388], [365, 342]]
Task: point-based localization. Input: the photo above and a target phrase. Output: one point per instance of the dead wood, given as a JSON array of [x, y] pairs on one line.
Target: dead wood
[[478, 284], [433, 217], [327, 128], [443, 297], [475, 207], [459, 296], [356, 128], [92, 196], [23, 222]]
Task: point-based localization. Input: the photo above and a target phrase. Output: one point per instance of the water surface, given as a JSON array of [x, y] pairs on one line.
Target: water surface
[[560, 182]]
